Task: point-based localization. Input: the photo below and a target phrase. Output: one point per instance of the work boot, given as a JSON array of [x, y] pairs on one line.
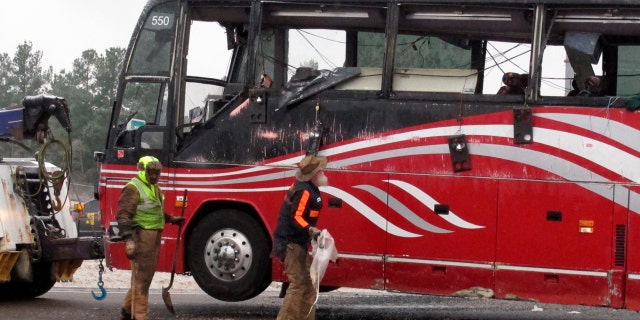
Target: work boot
[[125, 314], [283, 289]]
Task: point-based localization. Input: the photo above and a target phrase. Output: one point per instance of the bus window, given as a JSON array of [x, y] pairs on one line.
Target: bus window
[[152, 140], [370, 49], [502, 58], [429, 52], [208, 61], [557, 73], [149, 100], [316, 48], [431, 64], [267, 60], [143, 104], [628, 70], [208, 54], [421, 64]]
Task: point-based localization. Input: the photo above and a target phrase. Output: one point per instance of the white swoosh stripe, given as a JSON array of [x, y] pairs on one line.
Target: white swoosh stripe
[[605, 155], [601, 153], [429, 202], [615, 130], [229, 190], [369, 213], [401, 209], [286, 163]]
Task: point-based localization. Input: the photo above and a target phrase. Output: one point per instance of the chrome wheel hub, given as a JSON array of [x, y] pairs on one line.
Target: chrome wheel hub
[[228, 255]]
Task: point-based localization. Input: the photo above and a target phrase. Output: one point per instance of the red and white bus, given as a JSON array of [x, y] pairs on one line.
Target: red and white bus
[[460, 154]]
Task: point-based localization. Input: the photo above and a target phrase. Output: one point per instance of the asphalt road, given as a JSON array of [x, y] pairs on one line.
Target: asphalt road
[[77, 303]]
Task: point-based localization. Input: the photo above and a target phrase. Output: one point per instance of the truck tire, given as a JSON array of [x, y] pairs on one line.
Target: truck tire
[[228, 255], [42, 282]]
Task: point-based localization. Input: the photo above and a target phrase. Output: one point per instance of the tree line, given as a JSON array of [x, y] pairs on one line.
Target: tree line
[[88, 88]]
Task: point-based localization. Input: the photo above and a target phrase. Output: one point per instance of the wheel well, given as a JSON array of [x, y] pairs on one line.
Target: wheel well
[[212, 206]]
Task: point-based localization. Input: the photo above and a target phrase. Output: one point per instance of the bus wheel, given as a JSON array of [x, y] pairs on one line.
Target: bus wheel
[[228, 255]]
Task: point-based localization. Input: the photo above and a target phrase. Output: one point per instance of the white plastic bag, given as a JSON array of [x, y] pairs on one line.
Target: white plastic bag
[[324, 250]]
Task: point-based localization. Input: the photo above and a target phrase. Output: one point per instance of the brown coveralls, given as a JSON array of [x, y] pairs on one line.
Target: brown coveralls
[[299, 301], [147, 249]]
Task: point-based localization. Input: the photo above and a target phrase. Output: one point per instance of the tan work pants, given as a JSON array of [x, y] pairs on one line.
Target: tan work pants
[[142, 271], [299, 301]]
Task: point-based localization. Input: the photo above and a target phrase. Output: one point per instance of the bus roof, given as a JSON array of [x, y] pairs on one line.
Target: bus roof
[[506, 20], [465, 2], [606, 3]]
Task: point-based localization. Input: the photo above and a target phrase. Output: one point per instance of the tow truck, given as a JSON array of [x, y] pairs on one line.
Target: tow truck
[[39, 239]]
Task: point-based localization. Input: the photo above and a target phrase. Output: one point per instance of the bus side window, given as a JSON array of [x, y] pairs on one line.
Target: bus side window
[[627, 70], [208, 61], [126, 137], [514, 83], [151, 139], [143, 104], [318, 49], [594, 86]]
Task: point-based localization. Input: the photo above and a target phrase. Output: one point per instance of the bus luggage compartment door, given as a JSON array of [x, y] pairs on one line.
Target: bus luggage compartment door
[[555, 241], [632, 250], [454, 222]]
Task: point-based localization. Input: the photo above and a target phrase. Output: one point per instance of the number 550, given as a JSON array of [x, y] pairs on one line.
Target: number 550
[[160, 20]]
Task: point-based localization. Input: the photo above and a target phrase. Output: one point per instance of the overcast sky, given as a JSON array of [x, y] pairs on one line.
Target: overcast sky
[[62, 29]]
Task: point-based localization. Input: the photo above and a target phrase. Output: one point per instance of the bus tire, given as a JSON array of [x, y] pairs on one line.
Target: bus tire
[[228, 255]]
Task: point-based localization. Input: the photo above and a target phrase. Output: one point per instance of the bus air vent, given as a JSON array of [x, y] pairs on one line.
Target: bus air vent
[[620, 245]]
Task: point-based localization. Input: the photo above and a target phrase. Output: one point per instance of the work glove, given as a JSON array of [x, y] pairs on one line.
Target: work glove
[[314, 233], [130, 248], [176, 220]]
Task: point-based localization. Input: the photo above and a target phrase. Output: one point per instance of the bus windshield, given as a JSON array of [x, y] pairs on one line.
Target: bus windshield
[[152, 54]]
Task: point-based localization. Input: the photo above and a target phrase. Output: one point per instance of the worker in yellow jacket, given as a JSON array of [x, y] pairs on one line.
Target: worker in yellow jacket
[[141, 219]]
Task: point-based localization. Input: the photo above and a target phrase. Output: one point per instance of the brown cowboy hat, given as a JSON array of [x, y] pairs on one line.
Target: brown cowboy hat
[[309, 166]]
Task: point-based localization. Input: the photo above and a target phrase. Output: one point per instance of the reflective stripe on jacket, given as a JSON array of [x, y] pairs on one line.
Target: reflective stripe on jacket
[[299, 211], [149, 214]]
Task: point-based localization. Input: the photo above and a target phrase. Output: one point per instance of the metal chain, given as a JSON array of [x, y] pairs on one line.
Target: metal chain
[[100, 272]]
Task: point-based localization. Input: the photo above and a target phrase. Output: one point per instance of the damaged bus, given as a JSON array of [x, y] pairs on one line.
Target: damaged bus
[[485, 145]]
